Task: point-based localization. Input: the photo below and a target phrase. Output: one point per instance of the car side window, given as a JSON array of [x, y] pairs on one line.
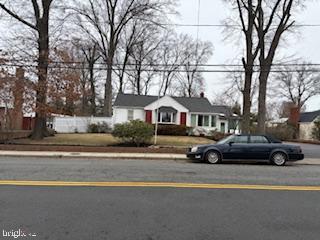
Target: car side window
[[240, 139], [258, 139]]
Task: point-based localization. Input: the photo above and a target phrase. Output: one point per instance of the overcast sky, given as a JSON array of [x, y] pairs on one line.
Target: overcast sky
[[304, 45]]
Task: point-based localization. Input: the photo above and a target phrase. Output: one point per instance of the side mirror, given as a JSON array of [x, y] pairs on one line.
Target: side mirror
[[231, 143]]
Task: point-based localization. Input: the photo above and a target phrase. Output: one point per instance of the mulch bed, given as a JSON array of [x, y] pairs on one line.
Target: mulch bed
[[56, 148]]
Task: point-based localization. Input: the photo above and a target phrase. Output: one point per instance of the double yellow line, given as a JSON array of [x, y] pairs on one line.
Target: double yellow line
[[157, 185]]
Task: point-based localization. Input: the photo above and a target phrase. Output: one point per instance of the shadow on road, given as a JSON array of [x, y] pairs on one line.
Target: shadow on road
[[245, 162]]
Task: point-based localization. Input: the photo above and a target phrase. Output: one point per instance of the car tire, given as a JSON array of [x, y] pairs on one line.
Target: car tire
[[213, 157], [279, 158]]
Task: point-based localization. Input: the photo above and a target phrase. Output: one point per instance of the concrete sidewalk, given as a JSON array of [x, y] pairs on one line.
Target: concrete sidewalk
[[160, 156], [144, 156]]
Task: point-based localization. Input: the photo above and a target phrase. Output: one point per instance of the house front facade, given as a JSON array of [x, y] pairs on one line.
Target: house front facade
[[197, 113], [306, 124]]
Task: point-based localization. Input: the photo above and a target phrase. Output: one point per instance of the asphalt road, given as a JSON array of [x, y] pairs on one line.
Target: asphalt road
[[155, 171], [154, 213]]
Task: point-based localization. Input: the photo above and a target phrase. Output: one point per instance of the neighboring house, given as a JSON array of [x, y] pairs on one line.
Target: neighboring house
[[306, 124], [5, 115], [192, 112], [277, 122]]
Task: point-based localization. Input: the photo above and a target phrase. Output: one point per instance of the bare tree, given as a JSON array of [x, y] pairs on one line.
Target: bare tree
[[127, 42], [195, 54], [143, 57], [91, 55], [172, 58], [263, 23], [247, 11], [105, 21], [298, 86], [41, 27], [274, 18]]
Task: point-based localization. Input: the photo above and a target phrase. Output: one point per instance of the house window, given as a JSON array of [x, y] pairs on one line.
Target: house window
[[200, 120], [166, 117], [193, 120], [130, 115], [203, 121], [206, 121], [213, 121]]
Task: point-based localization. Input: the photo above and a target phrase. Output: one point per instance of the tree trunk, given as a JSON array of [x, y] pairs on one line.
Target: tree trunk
[[107, 108], [124, 66], [40, 128], [247, 103], [138, 79], [262, 109], [92, 89]]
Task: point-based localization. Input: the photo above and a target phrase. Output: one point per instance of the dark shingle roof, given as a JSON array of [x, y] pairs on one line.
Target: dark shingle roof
[[130, 100], [226, 110], [201, 105], [309, 116]]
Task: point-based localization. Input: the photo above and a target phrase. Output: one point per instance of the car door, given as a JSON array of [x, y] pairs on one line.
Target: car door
[[237, 148], [260, 147]]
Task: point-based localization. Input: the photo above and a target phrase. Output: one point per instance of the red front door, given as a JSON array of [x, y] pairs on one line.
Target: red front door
[[149, 116], [183, 118]]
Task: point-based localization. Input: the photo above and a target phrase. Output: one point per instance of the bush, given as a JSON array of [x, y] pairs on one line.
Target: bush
[[283, 132], [172, 130], [134, 132], [99, 128], [316, 130], [217, 136]]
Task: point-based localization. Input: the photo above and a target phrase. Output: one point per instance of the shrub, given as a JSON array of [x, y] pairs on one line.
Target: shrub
[[134, 132], [172, 130], [217, 136], [316, 130], [93, 128], [282, 132], [99, 128], [104, 127]]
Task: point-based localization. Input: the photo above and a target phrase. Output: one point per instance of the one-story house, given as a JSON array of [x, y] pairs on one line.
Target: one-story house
[[194, 112], [306, 124]]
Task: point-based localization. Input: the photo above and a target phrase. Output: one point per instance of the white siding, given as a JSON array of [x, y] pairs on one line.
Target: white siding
[[306, 131], [120, 115], [166, 102]]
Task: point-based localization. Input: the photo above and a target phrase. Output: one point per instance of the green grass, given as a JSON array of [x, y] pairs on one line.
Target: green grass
[[108, 139]]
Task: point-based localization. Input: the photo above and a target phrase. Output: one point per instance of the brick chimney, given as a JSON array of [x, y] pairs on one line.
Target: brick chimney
[[294, 116]]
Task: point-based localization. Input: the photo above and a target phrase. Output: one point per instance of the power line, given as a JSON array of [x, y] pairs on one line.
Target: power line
[[160, 70], [23, 61], [9, 19]]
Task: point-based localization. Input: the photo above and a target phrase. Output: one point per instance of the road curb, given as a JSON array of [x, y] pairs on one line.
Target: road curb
[[151, 156], [120, 156]]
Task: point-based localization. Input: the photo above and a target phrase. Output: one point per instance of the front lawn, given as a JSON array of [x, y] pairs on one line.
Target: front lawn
[[109, 140]]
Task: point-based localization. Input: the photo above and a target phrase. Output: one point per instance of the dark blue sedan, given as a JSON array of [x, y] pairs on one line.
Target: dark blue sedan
[[247, 147]]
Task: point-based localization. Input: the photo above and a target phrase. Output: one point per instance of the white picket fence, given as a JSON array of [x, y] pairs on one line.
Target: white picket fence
[[77, 124]]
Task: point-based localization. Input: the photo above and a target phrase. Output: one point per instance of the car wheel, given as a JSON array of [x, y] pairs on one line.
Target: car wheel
[[213, 157], [279, 158]]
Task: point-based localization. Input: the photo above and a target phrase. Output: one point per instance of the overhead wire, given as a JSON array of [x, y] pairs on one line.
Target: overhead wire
[[160, 69]]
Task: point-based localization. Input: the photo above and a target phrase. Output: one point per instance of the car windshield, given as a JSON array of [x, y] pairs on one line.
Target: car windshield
[[226, 140]]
